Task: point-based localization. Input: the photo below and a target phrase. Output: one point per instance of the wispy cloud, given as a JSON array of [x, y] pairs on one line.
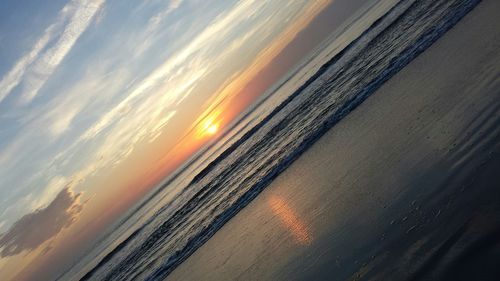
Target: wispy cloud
[[35, 67], [14, 76], [156, 19]]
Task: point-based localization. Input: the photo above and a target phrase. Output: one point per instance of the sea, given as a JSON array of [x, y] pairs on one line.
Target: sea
[[189, 206]]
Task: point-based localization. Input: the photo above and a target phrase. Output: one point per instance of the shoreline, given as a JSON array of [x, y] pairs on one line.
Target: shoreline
[[411, 133]]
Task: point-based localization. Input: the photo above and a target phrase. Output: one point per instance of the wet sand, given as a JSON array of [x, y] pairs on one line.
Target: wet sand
[[406, 187]]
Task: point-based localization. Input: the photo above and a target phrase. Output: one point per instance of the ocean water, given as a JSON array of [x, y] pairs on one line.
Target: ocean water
[[189, 207]]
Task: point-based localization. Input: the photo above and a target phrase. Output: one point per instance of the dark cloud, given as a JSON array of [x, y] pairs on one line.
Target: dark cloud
[[33, 229]]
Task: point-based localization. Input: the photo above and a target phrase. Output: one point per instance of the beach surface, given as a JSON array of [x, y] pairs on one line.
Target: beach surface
[[406, 187]]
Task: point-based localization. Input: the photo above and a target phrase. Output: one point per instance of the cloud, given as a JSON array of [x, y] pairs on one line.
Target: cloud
[[33, 229], [36, 66], [155, 20], [13, 78]]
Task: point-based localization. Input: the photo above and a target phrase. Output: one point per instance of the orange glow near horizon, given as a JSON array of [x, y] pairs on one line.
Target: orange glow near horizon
[[231, 98], [290, 220]]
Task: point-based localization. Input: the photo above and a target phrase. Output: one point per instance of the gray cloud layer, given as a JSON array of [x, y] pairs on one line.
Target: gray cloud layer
[[33, 229]]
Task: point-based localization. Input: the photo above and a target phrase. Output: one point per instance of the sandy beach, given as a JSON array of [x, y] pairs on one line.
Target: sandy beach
[[406, 187]]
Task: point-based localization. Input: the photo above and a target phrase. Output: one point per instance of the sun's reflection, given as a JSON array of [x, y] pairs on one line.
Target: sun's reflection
[[290, 220]]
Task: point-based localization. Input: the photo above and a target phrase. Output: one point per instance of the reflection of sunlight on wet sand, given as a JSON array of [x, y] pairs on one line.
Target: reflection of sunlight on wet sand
[[290, 220]]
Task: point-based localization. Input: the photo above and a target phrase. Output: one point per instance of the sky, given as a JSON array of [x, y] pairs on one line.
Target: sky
[[101, 99]]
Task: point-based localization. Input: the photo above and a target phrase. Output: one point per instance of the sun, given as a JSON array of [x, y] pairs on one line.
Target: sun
[[212, 129], [208, 127]]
